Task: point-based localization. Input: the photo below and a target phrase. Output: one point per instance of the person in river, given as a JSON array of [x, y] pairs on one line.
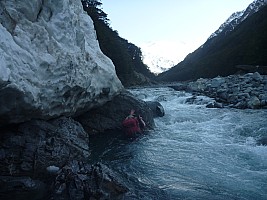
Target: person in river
[[133, 125]]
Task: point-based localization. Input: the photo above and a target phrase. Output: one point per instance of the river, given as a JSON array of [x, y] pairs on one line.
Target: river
[[194, 152]]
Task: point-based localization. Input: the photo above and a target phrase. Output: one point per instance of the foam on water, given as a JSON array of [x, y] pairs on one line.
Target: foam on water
[[195, 152]]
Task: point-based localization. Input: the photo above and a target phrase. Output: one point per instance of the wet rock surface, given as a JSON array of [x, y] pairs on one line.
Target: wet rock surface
[[57, 70], [157, 108], [111, 115], [79, 181], [21, 188], [47, 160], [35, 145], [262, 141]]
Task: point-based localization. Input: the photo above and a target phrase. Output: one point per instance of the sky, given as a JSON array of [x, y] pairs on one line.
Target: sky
[[171, 29]]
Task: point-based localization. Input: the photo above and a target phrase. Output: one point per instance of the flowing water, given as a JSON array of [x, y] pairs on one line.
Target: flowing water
[[193, 153]]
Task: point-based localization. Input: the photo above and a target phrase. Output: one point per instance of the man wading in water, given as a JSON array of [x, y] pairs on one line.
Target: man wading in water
[[132, 125]]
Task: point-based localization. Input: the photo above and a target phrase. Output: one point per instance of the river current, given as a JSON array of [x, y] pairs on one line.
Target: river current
[[194, 152]]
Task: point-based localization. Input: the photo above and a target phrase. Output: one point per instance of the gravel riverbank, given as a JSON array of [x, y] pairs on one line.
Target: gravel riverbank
[[236, 91]]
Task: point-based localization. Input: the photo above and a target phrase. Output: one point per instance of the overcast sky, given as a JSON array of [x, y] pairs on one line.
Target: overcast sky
[[172, 28]]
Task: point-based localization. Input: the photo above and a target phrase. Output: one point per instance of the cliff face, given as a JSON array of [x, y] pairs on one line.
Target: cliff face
[[50, 63]]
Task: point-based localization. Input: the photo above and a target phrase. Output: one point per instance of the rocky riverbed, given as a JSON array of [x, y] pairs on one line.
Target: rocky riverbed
[[247, 91]]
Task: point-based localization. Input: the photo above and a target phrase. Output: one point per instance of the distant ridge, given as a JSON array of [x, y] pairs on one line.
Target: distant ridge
[[238, 17], [241, 40]]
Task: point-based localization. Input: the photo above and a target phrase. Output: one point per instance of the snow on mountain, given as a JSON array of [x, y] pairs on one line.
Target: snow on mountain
[[157, 64], [237, 17], [161, 55]]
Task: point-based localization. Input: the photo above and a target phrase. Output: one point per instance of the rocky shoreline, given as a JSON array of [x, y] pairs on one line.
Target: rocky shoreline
[[48, 159], [57, 88], [247, 91]]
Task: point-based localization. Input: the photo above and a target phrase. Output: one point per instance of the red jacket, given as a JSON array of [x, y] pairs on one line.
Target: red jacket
[[131, 126]]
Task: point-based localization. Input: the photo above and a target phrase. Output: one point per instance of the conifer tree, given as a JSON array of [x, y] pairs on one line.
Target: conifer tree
[[126, 57]]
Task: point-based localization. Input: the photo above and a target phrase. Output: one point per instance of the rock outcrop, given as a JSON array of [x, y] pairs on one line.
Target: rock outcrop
[[51, 71], [157, 108], [49, 160], [88, 182], [51, 63], [35, 145], [262, 141], [111, 115]]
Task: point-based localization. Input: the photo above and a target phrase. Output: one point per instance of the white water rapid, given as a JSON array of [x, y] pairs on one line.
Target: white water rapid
[[194, 153]]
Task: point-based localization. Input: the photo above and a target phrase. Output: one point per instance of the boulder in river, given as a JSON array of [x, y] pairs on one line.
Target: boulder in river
[[157, 108], [262, 141], [111, 115]]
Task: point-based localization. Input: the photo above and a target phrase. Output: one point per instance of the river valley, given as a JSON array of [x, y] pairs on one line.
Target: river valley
[[193, 153]]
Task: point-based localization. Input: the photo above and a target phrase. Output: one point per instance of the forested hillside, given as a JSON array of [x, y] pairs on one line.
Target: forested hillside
[[245, 45], [126, 57]]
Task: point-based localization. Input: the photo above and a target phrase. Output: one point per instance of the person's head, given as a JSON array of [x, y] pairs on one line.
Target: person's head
[[132, 112]]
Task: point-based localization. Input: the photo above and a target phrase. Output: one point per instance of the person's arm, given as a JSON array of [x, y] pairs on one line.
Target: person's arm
[[142, 121]]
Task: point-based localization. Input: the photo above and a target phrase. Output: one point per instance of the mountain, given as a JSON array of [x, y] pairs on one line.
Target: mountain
[[157, 64], [238, 17], [157, 60], [241, 40]]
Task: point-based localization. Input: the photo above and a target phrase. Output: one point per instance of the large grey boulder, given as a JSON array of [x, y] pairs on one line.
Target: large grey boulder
[[217, 82], [157, 108], [49, 160], [88, 182], [38, 146], [254, 102], [51, 63], [33, 152], [21, 188], [262, 141], [111, 115]]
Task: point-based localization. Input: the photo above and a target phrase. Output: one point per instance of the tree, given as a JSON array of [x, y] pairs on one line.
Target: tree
[[126, 57], [92, 8]]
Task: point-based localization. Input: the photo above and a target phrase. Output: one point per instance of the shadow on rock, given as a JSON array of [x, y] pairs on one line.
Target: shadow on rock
[[38, 161], [262, 141], [111, 115], [79, 181]]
